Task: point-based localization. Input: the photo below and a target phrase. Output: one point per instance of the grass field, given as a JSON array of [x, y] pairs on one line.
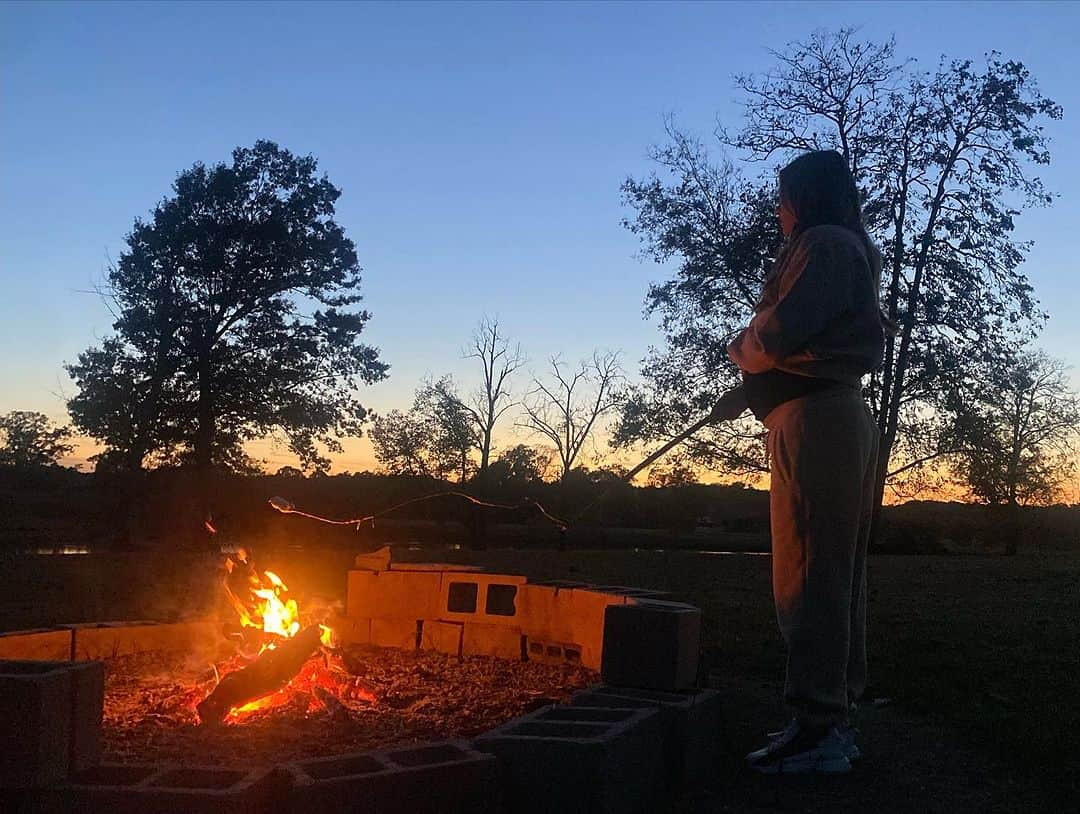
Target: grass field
[[974, 661]]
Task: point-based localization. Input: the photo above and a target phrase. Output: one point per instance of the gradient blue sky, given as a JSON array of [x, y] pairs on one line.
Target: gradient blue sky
[[479, 147]]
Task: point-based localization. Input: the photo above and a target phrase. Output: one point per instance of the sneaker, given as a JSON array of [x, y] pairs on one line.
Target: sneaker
[[802, 751], [847, 733]]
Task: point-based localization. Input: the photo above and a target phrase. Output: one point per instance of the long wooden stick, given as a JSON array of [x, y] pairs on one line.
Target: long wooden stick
[[629, 476]]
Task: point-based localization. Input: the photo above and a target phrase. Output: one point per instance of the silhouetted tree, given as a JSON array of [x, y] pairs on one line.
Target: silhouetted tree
[[29, 439], [943, 158], [677, 472], [235, 319], [565, 408], [1016, 426], [454, 430], [402, 444], [498, 362], [520, 465], [723, 231]]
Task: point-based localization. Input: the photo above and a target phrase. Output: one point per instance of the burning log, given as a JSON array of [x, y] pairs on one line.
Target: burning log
[[269, 672]]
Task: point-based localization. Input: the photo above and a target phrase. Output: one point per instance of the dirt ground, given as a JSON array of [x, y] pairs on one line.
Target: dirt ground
[[974, 663]]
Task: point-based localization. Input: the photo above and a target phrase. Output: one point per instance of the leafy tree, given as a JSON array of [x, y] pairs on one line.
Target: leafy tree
[[453, 427], [402, 444], [520, 465], [566, 408], [944, 159], [723, 232], [30, 439], [678, 472], [1016, 428], [235, 319]]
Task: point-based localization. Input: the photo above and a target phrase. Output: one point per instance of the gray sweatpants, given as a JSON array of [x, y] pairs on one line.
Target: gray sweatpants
[[822, 449]]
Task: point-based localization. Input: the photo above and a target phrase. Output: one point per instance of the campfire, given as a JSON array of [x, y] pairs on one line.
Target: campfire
[[292, 666]]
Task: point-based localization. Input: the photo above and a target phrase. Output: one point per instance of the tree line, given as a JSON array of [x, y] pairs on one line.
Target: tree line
[[237, 305]]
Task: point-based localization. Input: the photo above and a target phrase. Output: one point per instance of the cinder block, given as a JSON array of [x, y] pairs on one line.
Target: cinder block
[[393, 594], [477, 597], [651, 645], [444, 637], [110, 639], [352, 630], [692, 723], [588, 607], [500, 641], [42, 644], [35, 723], [139, 789], [574, 759], [437, 778], [399, 633], [552, 652], [545, 612], [87, 706]]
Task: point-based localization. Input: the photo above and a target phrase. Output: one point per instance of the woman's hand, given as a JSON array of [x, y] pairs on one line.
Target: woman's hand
[[730, 406]]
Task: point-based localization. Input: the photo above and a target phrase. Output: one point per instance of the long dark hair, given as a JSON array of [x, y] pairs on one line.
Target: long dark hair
[[819, 189]]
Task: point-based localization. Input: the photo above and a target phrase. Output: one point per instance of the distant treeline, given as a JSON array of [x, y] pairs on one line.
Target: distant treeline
[[51, 508]]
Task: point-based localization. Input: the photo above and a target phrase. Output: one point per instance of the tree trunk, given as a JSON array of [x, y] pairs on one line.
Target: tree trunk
[[204, 439]]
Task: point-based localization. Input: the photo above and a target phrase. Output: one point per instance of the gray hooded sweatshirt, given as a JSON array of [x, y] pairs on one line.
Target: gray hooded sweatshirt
[[818, 316]]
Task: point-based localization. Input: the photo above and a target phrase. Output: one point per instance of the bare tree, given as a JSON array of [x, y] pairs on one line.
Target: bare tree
[[566, 409], [499, 361]]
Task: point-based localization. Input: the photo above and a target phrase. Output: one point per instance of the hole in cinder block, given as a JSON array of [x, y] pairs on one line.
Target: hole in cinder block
[[198, 779], [461, 597], [536, 648], [572, 655], [553, 729], [500, 600], [342, 767], [597, 714], [114, 775], [554, 651], [426, 755]]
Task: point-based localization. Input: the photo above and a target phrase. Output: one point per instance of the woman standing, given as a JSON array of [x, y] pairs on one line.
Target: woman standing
[[816, 331]]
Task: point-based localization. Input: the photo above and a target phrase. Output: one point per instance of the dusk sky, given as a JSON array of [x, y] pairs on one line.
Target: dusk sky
[[479, 148]]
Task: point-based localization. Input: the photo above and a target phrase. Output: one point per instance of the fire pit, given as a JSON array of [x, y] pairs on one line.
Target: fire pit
[[434, 676], [384, 697]]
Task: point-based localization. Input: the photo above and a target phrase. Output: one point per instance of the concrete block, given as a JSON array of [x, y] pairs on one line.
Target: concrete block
[[500, 641], [443, 637], [588, 607], [35, 723], [547, 652], [110, 639], [544, 612], [574, 759], [352, 630], [42, 644], [692, 727], [651, 645], [87, 706], [399, 633], [437, 778], [393, 594], [167, 789], [477, 597]]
